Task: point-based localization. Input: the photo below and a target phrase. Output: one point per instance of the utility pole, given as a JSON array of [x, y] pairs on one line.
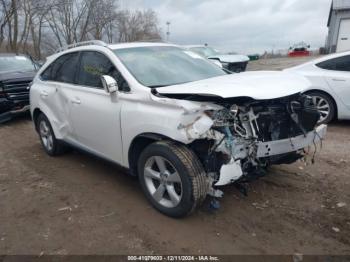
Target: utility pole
[[168, 31]]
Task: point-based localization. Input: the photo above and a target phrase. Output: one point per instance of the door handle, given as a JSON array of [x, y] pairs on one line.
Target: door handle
[[338, 80], [44, 94], [76, 101]]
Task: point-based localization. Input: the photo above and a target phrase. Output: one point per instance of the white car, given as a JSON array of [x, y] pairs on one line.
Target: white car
[[180, 123], [330, 84], [234, 63]]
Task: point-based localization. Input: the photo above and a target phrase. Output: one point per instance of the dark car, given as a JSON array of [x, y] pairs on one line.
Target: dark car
[[16, 74]]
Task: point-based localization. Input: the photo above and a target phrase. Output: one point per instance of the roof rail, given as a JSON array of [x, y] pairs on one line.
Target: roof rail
[[151, 40], [85, 43]]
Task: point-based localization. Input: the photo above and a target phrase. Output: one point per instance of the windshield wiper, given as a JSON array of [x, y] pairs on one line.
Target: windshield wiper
[[156, 86]]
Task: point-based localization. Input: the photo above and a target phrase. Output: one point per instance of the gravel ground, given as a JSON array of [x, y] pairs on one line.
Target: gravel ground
[[79, 204]]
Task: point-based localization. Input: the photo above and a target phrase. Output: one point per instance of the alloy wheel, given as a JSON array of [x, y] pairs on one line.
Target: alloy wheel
[[323, 107], [46, 135], [163, 181]]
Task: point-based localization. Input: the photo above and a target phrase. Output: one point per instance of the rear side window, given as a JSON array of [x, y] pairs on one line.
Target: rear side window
[[336, 64], [63, 69], [93, 65]]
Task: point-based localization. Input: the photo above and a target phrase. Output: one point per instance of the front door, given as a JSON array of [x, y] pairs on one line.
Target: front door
[[95, 114]]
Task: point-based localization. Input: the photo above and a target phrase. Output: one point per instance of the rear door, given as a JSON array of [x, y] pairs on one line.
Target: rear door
[[55, 92], [95, 114]]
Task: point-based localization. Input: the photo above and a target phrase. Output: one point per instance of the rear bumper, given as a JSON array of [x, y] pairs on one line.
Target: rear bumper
[[233, 171]]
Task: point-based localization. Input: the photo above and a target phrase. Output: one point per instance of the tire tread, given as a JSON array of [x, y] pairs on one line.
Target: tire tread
[[196, 172]]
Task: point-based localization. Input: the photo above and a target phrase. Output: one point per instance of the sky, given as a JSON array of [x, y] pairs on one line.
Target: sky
[[244, 26]]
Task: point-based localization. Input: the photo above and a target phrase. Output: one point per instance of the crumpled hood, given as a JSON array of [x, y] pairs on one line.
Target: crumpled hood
[[260, 85], [230, 58]]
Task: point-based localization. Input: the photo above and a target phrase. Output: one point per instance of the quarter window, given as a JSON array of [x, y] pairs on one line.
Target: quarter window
[[336, 64], [63, 69], [93, 65]]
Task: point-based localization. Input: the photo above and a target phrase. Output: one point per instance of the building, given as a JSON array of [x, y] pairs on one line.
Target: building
[[338, 39]]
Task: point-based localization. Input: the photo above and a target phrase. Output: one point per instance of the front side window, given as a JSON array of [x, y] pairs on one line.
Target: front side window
[[63, 69], [336, 64], [93, 65], [157, 66]]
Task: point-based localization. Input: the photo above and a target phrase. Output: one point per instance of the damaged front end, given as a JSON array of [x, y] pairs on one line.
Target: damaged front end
[[238, 141]]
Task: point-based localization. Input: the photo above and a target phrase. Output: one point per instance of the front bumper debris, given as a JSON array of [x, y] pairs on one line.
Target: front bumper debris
[[232, 171], [6, 116], [278, 147]]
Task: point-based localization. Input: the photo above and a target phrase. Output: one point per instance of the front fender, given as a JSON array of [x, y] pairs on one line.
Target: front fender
[[169, 120]]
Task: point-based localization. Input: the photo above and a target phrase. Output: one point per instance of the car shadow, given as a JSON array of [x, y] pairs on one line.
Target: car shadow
[[17, 119], [340, 123]]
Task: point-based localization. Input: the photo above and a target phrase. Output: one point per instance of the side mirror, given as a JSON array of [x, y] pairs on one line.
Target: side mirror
[[109, 84]]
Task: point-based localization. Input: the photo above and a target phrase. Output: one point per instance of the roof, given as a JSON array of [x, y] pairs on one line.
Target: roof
[[137, 44], [341, 4], [101, 45], [327, 57], [338, 5]]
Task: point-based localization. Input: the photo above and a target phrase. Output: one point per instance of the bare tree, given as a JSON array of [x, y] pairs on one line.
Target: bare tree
[[137, 25], [37, 10], [69, 20], [6, 12], [32, 26], [102, 18]]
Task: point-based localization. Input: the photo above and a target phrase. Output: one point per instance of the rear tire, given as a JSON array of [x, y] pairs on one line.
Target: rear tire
[[172, 178], [51, 145], [325, 105]]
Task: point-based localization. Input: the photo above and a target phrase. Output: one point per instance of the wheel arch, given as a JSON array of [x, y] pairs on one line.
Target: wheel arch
[[138, 144], [36, 114], [327, 94]]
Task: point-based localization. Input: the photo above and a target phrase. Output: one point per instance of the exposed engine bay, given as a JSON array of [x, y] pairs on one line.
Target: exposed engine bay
[[248, 135]]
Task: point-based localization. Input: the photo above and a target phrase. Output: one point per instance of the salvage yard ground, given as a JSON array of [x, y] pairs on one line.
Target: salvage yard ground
[[79, 204]]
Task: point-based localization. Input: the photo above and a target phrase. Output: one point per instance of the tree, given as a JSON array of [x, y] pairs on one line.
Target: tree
[[102, 19], [6, 13], [41, 26]]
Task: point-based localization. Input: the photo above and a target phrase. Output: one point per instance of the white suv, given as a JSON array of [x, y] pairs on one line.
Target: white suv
[[181, 124]]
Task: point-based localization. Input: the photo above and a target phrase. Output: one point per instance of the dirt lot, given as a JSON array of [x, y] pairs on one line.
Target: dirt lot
[[79, 204]]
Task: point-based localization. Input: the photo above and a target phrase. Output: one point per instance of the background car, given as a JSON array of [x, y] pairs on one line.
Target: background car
[[234, 63], [299, 49], [330, 78], [16, 73]]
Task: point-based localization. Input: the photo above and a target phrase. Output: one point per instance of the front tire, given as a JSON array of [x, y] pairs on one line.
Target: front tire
[[51, 145], [172, 178]]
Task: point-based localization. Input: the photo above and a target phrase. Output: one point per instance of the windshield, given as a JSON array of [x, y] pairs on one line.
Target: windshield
[[15, 63], [158, 66], [205, 51]]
